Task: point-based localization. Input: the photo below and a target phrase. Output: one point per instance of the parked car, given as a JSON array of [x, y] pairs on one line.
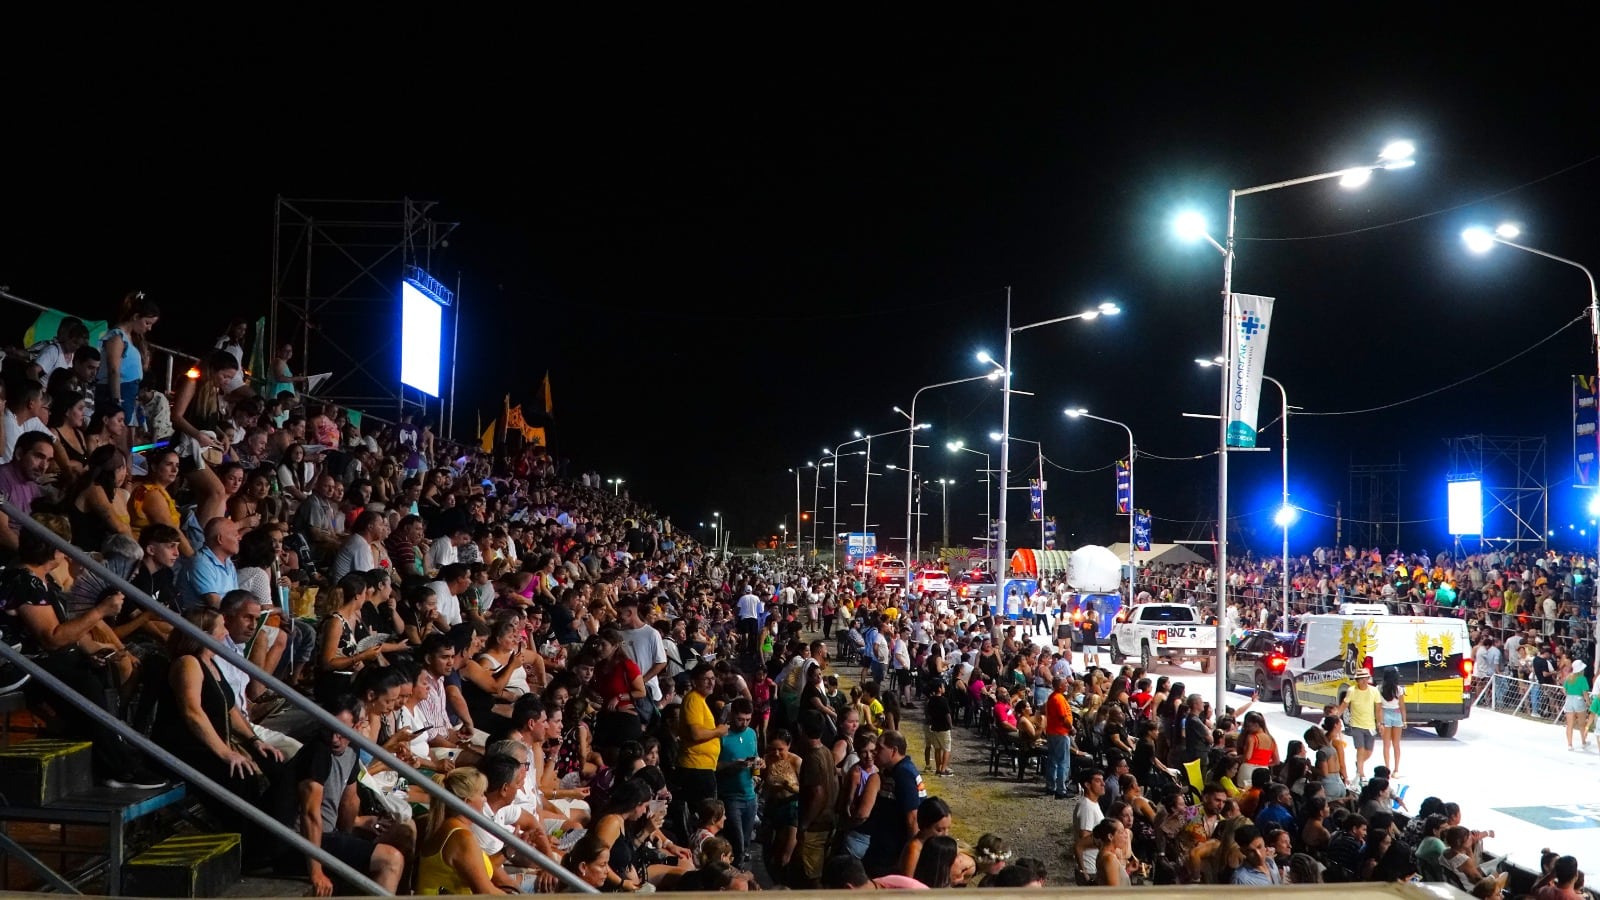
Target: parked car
[[931, 581], [1170, 632], [977, 587], [1258, 661], [889, 570]]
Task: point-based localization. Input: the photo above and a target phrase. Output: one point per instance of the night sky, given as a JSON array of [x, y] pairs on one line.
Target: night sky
[[731, 241]]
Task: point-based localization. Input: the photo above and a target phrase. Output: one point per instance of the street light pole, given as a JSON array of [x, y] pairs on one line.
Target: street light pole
[[1286, 514], [816, 510], [911, 455], [1481, 240], [1083, 413], [1109, 309], [988, 488], [944, 510], [796, 472], [1396, 155]]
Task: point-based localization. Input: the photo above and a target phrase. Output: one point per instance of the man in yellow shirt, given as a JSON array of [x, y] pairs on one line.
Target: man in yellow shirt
[[1363, 703], [702, 742]]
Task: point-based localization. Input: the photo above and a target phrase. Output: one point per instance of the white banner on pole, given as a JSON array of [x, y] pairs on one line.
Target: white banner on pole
[[1251, 316]]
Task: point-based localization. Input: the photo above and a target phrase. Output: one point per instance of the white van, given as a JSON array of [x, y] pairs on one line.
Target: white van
[[1432, 655]]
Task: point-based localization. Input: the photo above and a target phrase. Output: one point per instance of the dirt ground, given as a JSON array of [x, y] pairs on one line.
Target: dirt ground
[[1032, 823]]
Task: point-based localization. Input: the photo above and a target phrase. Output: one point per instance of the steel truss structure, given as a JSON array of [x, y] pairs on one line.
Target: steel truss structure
[[1374, 505], [336, 272], [1516, 487]]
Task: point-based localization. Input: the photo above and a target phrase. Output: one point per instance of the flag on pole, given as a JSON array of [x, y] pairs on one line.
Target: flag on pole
[[1124, 486], [533, 437], [1035, 499], [544, 392], [1050, 533], [1583, 429], [514, 419], [1250, 316], [486, 439]]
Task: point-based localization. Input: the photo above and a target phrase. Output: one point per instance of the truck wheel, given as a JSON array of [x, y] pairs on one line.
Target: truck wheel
[[1291, 701], [1145, 659], [1446, 729], [1116, 652]]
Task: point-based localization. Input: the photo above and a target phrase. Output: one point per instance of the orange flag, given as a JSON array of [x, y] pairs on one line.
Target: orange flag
[[549, 408]]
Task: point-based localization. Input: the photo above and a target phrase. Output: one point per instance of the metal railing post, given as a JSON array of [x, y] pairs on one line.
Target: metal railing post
[[294, 697]]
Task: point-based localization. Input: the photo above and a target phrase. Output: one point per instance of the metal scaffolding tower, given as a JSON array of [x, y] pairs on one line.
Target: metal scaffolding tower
[[336, 272], [1516, 487], [1374, 505]]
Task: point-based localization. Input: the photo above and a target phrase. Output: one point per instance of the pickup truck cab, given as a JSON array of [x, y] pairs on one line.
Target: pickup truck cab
[[931, 581], [889, 570], [1164, 631]]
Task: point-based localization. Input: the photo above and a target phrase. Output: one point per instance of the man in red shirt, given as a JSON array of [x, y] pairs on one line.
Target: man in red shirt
[[1058, 737]]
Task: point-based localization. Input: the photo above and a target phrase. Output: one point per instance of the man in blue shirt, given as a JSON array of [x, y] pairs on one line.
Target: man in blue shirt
[[1275, 812], [893, 820], [210, 574], [735, 779]]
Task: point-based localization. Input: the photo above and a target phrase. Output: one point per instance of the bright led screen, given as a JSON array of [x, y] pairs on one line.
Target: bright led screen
[[421, 339], [1466, 507]]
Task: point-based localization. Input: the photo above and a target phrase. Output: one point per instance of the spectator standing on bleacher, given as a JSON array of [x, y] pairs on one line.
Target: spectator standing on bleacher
[[57, 352], [122, 356]]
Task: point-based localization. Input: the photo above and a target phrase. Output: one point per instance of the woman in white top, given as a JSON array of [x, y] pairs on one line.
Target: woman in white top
[[1393, 723]]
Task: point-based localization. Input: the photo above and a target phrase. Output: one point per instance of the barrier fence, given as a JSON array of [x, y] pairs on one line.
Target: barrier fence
[[1519, 697]]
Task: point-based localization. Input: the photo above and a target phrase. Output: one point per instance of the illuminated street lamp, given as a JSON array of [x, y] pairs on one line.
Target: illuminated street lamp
[[1482, 240], [1191, 226], [915, 550], [616, 486], [1085, 414], [1104, 309], [959, 446]]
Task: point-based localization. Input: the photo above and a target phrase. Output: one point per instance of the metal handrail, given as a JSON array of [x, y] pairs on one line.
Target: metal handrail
[[190, 773], [294, 697]]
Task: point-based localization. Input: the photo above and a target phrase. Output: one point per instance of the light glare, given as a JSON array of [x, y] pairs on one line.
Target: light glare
[[1479, 240], [995, 435], [1355, 178], [984, 357], [1508, 231], [1398, 151], [1594, 505], [1189, 226], [1285, 516], [1076, 412]]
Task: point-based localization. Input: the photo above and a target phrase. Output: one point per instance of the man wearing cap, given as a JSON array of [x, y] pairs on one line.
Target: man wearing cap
[[1362, 702]]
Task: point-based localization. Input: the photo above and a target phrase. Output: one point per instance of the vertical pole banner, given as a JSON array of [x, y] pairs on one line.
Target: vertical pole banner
[[1050, 533], [1141, 530], [1124, 487], [1251, 316], [1583, 430], [1035, 500]]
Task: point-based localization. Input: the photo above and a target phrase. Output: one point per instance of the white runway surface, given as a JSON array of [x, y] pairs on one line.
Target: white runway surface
[[1495, 763]]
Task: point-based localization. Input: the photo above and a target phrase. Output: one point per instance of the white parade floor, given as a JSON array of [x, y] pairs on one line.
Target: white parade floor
[[1496, 766]]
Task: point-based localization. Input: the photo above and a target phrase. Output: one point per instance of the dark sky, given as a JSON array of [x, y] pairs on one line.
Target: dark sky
[[732, 240]]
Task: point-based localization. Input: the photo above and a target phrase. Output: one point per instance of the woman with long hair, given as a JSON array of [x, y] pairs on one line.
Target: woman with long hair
[[67, 421], [91, 507], [449, 860], [106, 426], [284, 380], [619, 684], [1257, 748], [200, 415], [858, 794], [1113, 851], [199, 722], [294, 477], [1392, 704], [248, 506], [123, 354], [936, 862], [339, 652], [152, 503]]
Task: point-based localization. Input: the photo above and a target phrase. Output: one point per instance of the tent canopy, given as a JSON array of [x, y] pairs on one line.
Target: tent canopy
[[1159, 554]]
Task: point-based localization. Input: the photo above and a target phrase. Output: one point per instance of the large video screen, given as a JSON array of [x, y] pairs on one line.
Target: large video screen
[[421, 339], [1466, 507]]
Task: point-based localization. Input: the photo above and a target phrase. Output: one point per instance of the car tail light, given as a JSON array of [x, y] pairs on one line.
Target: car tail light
[[1077, 617], [1161, 636], [1277, 661], [1466, 675]]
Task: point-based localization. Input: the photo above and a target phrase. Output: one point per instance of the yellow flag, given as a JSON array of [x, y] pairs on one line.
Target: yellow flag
[[487, 440], [514, 419], [534, 437], [549, 408]]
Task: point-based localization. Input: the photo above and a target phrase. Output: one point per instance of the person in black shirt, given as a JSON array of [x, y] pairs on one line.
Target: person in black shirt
[[939, 723]]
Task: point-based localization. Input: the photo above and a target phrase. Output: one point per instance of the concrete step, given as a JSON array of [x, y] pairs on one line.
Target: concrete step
[[40, 772], [188, 865]]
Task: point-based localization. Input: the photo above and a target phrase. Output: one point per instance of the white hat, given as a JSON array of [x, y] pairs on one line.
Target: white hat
[[1578, 666], [1364, 673]]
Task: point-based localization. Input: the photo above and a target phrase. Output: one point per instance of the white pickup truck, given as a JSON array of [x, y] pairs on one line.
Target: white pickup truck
[[1167, 631]]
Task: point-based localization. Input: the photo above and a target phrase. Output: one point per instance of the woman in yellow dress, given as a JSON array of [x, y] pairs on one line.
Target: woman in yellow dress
[[449, 860]]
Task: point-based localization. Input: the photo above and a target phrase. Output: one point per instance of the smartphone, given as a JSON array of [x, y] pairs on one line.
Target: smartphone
[[105, 654]]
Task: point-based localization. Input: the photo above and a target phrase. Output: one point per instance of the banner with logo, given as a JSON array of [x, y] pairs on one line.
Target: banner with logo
[[1141, 530], [1035, 499], [1050, 533], [1124, 487], [1251, 315], [1584, 420]]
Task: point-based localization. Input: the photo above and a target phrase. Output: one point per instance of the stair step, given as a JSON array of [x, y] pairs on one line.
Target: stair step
[[40, 772], [185, 865]]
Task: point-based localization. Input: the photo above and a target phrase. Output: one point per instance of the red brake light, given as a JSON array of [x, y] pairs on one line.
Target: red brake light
[[1161, 636], [1466, 672], [1277, 661]]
